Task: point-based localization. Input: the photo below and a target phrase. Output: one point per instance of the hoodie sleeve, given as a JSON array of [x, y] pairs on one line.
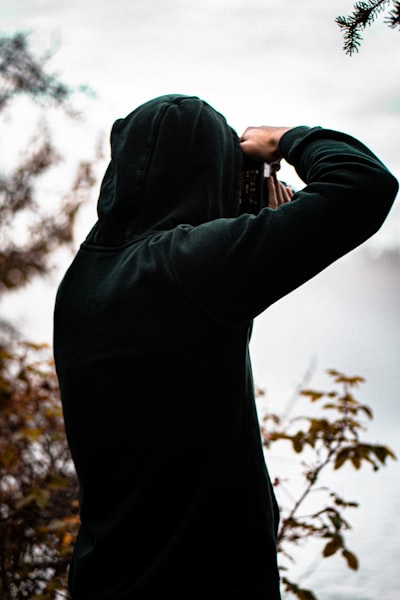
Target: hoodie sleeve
[[235, 268]]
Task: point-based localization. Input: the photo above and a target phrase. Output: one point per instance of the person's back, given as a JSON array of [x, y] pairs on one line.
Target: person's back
[[162, 426], [151, 331]]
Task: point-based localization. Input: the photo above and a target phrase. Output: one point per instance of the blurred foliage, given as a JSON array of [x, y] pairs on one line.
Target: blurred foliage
[[23, 73], [28, 232], [330, 439], [38, 486], [364, 14], [44, 232]]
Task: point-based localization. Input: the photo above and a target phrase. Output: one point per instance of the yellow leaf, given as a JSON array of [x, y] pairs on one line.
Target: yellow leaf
[[31, 433], [8, 456], [56, 525], [57, 482], [313, 395]]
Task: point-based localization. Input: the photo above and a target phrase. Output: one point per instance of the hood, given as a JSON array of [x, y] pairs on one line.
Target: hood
[[174, 160]]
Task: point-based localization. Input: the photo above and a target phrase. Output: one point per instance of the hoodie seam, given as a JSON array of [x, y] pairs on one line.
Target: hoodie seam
[[86, 246]]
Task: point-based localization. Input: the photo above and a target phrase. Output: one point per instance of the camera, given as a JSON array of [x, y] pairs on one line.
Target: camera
[[253, 188]]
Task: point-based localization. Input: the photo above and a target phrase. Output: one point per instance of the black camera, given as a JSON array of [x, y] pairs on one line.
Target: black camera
[[254, 191]]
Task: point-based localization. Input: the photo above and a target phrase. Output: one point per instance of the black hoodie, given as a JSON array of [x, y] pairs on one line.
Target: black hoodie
[[151, 332]]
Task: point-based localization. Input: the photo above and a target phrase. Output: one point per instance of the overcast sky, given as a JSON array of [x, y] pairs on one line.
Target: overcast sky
[[257, 61], [275, 62]]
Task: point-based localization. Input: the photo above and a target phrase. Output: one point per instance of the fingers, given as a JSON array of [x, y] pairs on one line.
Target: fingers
[[286, 192], [278, 192]]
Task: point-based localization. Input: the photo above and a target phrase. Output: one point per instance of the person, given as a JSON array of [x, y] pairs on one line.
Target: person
[[151, 342]]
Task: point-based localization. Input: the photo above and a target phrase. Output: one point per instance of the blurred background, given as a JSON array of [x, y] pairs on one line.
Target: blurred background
[[258, 62]]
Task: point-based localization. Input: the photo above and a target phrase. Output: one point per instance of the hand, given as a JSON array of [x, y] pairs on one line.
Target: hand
[[278, 192], [262, 143]]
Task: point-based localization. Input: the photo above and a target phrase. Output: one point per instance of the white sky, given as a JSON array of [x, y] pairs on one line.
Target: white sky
[[258, 62]]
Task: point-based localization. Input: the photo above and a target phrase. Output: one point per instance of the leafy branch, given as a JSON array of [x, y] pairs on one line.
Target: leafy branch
[[38, 486], [330, 439], [29, 233]]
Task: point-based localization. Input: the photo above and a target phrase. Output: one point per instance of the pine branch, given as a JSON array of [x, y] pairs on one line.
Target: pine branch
[[363, 15], [393, 19]]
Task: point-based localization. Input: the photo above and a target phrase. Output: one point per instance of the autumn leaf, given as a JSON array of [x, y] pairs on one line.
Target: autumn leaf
[[382, 452], [333, 546], [312, 394], [352, 560]]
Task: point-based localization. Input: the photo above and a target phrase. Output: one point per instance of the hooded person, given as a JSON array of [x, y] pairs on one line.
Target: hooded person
[[151, 341]]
